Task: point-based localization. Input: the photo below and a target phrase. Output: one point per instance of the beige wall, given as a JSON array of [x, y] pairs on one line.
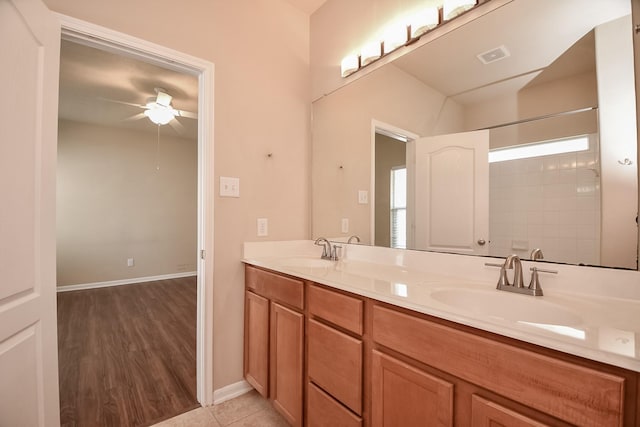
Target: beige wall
[[342, 126], [260, 49], [113, 204]]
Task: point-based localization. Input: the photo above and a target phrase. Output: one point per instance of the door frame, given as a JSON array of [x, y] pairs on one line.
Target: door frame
[[400, 134], [92, 35]]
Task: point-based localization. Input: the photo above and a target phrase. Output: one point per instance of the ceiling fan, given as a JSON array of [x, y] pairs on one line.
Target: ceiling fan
[[160, 111]]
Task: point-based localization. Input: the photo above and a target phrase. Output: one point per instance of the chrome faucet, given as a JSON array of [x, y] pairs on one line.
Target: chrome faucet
[[354, 237], [326, 247]]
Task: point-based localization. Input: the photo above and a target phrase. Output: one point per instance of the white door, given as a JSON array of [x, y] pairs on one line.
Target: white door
[[451, 193], [30, 51]]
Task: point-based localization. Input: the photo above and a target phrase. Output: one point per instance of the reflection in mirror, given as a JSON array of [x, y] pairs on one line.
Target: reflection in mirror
[[579, 206]]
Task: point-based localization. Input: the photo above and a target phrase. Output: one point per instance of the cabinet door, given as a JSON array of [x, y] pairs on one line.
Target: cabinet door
[[287, 349], [485, 413], [256, 342], [405, 396]]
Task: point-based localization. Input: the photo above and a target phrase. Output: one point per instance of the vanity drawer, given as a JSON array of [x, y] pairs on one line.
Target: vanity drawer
[[573, 393], [275, 287], [334, 363], [341, 310], [324, 411]]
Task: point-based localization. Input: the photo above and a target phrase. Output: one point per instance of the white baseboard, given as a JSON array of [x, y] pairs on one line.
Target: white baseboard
[[229, 392], [131, 281]]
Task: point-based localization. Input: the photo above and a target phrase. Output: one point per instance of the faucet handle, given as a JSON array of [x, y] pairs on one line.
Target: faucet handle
[[334, 252], [534, 284]]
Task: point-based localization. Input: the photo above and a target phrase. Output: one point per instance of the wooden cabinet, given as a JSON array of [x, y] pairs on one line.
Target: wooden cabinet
[[368, 363], [405, 396], [335, 364], [324, 411], [485, 413], [274, 340], [287, 347], [547, 386], [256, 350], [335, 357]]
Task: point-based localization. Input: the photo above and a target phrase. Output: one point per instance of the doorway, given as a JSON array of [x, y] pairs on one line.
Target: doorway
[[101, 38]]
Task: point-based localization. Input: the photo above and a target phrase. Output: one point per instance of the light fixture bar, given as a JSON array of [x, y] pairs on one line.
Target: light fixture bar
[[453, 8], [403, 33], [569, 145]]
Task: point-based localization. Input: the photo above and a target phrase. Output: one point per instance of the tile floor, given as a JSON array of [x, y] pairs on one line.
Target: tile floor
[[247, 410]]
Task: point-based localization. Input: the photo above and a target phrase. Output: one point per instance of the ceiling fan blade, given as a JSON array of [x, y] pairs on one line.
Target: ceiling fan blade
[[135, 117], [122, 102], [177, 126], [187, 114], [163, 98]]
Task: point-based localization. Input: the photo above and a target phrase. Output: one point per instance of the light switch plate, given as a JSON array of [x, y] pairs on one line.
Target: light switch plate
[[363, 197], [263, 227], [345, 225], [229, 187]]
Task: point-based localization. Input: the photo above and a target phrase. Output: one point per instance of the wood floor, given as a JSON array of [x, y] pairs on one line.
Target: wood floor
[[127, 354]]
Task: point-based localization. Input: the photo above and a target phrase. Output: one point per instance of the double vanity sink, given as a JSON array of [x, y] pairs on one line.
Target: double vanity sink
[[601, 328], [357, 340]]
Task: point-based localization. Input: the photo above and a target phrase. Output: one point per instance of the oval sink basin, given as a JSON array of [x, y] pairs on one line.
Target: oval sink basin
[[508, 306], [306, 262]]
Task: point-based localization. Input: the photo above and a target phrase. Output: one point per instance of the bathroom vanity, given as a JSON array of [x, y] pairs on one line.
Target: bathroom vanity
[[359, 343]]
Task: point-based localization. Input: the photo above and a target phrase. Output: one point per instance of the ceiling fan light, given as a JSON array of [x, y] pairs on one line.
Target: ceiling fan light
[[453, 8], [158, 114]]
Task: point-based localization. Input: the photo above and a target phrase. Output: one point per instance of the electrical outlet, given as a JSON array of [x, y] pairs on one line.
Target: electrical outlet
[[263, 227], [130, 262], [363, 197], [345, 225], [229, 187]]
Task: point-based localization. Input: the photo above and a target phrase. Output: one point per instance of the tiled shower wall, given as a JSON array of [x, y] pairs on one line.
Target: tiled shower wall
[[550, 202]]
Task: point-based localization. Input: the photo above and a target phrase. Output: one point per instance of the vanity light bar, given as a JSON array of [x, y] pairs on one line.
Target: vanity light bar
[[569, 145], [400, 34]]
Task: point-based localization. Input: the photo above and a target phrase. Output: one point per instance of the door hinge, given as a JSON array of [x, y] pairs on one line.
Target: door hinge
[[202, 253]]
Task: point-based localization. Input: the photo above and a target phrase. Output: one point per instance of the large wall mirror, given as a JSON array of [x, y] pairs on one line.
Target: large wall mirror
[[513, 132]]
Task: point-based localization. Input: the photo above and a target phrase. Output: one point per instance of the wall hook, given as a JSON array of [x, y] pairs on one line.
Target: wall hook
[[625, 162]]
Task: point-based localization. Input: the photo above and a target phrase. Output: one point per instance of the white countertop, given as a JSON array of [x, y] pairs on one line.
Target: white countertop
[[602, 326]]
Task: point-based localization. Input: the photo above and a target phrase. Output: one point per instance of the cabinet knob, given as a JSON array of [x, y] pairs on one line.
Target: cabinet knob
[[481, 242]]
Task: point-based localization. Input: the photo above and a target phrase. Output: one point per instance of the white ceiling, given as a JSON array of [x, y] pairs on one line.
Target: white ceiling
[[94, 84], [536, 34]]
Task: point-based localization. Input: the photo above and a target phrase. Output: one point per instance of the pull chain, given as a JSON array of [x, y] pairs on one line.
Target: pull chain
[[158, 150]]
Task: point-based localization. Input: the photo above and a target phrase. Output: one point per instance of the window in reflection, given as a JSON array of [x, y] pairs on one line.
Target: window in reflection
[[546, 148], [399, 207]]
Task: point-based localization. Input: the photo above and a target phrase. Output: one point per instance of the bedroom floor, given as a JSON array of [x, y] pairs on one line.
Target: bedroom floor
[[127, 354]]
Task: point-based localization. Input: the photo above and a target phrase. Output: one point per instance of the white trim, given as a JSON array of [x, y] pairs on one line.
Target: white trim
[[122, 44], [391, 131], [230, 391], [121, 282]]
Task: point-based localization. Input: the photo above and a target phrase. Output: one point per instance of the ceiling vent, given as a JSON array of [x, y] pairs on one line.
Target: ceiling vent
[[493, 55]]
